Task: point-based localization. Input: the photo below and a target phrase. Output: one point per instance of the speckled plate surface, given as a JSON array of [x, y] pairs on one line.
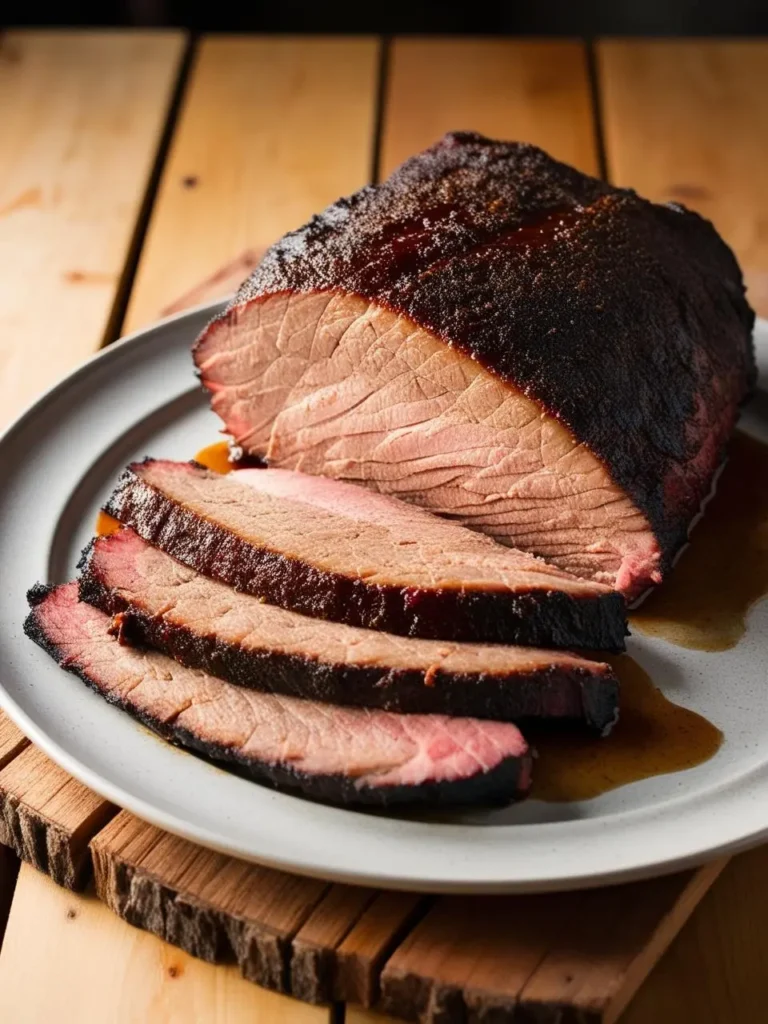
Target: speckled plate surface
[[60, 460]]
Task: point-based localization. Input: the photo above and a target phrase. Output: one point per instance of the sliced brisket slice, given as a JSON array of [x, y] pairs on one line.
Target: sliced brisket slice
[[502, 339], [347, 755], [204, 624], [335, 551]]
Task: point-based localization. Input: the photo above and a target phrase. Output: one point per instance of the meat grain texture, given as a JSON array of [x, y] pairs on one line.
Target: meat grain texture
[[348, 755], [548, 359], [160, 603], [334, 551]]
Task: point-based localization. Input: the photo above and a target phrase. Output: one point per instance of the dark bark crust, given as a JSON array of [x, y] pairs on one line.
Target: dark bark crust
[[556, 692], [624, 319], [543, 618], [508, 780]]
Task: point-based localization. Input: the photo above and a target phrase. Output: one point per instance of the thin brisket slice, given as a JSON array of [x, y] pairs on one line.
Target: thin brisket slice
[[348, 755], [340, 552], [204, 624]]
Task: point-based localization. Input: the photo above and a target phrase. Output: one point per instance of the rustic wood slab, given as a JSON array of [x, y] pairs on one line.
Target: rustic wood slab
[[68, 958], [12, 740], [685, 121], [359, 958], [509, 89], [47, 818], [430, 960], [580, 954], [272, 130], [214, 907]]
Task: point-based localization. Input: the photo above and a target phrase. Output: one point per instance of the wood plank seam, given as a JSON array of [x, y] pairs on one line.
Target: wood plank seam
[[124, 289], [361, 957]]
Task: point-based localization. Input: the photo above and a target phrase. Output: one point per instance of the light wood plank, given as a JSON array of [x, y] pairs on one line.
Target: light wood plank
[[67, 957], [82, 114], [531, 91], [272, 130], [47, 817], [685, 120]]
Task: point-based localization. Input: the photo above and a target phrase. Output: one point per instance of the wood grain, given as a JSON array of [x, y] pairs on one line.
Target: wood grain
[[364, 951], [271, 131], [714, 972], [47, 818], [532, 91], [82, 114], [12, 741], [685, 121], [313, 954], [542, 957], [214, 907], [68, 958], [340, 950]]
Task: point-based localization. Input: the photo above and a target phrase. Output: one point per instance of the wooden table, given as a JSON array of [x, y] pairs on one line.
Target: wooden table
[[143, 171]]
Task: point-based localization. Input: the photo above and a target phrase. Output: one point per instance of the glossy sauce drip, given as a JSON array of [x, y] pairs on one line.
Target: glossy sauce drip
[[223, 457], [106, 524], [704, 603], [652, 737]]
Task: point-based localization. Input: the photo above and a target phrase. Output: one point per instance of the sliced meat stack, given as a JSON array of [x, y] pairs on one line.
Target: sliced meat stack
[[489, 333], [159, 602], [349, 755], [335, 551]]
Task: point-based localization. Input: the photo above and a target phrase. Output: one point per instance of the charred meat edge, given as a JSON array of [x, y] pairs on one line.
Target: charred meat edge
[[545, 618]]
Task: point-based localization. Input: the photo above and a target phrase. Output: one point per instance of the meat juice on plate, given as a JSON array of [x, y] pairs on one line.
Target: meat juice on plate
[[703, 605], [653, 736]]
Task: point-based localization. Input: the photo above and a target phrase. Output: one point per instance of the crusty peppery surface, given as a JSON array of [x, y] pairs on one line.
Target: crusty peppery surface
[[404, 571], [345, 755], [623, 319], [204, 624]]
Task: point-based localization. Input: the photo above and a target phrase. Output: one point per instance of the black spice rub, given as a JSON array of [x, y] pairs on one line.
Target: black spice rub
[[344, 755], [335, 551], [505, 340], [160, 603]]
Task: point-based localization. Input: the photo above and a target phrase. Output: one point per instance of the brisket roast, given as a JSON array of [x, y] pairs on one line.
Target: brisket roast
[[547, 359], [349, 755], [335, 551], [163, 604]]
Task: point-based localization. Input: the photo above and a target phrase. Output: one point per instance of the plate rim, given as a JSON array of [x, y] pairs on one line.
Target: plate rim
[[170, 821]]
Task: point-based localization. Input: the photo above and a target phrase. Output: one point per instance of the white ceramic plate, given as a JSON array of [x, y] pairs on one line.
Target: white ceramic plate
[[60, 460]]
